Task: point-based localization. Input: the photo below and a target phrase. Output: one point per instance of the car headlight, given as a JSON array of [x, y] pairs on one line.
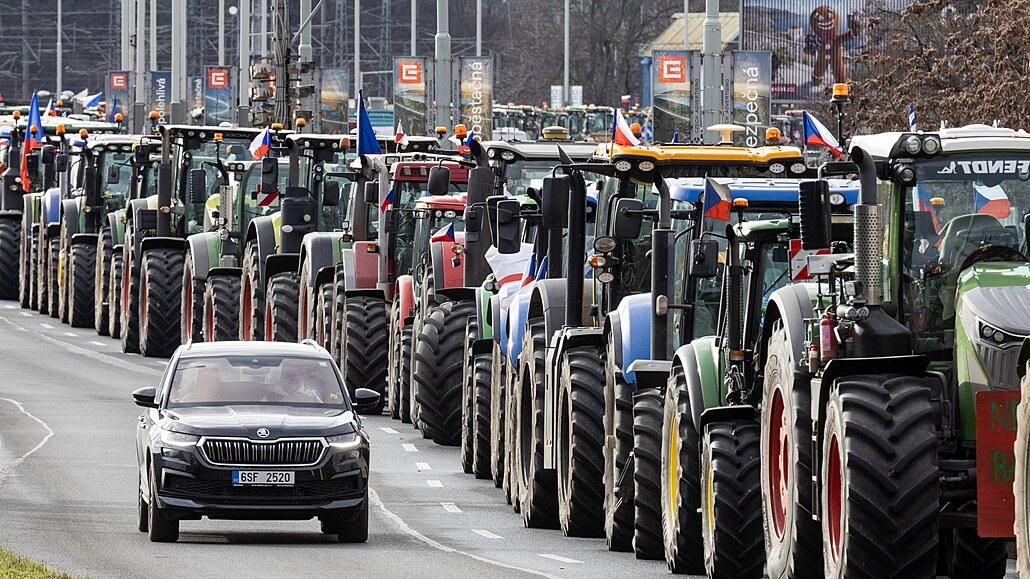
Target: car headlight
[[178, 439], [347, 441]]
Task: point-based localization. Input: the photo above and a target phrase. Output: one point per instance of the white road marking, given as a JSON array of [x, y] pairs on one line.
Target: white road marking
[[435, 484], [71, 334], [388, 430], [451, 507], [410, 447], [9, 306], [558, 558], [104, 358], [486, 534], [373, 497], [21, 459], [47, 326], [26, 314], [96, 343], [423, 466]]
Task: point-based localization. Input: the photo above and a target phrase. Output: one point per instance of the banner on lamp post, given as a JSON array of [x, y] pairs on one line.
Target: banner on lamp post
[[118, 96], [160, 95], [476, 95], [410, 96], [218, 96], [333, 96], [752, 96], [671, 95]]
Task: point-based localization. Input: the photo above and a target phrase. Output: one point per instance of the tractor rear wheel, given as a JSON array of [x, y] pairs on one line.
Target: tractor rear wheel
[[580, 443], [364, 347], [647, 472], [537, 487], [404, 374], [130, 305], [28, 280], [102, 284], [498, 408], [436, 372], [281, 308], [1021, 485], [681, 479], [731, 500], [467, 401], [82, 274], [618, 483], [970, 556], [192, 323], [880, 493], [793, 544], [114, 296], [252, 297], [510, 484], [324, 316], [221, 312], [47, 272], [10, 229], [481, 406], [53, 262], [393, 382], [160, 302]]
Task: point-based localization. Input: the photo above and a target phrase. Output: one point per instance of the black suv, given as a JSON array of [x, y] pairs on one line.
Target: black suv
[[253, 430]]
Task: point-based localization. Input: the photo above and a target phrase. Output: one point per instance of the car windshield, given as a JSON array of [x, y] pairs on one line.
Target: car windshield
[[256, 380]]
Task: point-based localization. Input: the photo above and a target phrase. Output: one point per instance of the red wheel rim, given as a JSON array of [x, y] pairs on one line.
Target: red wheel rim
[[779, 466], [268, 323], [208, 329], [245, 318], [835, 494], [304, 315]]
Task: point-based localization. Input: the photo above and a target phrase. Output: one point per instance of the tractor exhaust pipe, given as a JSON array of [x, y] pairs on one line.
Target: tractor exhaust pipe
[[868, 252]]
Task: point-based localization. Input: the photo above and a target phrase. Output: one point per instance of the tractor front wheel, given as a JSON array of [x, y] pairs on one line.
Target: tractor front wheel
[[81, 274], [160, 302], [221, 312], [580, 443], [281, 308]]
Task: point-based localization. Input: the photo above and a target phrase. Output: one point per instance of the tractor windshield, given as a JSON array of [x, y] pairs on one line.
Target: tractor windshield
[[961, 211], [521, 175], [203, 157], [115, 171]]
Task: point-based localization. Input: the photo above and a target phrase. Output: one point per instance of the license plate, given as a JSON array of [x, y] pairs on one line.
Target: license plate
[[262, 477]]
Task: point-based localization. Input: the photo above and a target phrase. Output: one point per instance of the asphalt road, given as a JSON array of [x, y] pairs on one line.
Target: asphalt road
[[67, 488]]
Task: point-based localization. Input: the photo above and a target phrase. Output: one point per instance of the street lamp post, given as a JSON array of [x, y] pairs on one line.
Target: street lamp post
[[443, 64], [565, 90]]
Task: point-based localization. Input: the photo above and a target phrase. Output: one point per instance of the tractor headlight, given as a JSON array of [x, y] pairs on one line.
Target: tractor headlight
[[646, 166], [508, 156], [623, 166], [776, 168], [912, 145], [996, 337], [931, 145], [798, 168], [836, 199]]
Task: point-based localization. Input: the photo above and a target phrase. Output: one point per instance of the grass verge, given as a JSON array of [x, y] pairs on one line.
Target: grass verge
[[15, 567]]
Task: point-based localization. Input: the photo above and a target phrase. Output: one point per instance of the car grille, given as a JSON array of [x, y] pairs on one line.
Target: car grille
[[181, 486], [284, 452]]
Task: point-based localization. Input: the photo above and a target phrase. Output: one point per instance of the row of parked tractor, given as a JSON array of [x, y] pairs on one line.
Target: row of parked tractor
[[710, 355]]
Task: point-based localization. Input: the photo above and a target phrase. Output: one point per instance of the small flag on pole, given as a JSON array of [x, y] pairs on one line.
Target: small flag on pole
[[446, 233], [817, 134], [261, 144], [388, 202], [718, 200], [912, 117], [400, 139]]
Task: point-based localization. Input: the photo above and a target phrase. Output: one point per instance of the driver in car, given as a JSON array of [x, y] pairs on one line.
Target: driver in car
[[300, 382]]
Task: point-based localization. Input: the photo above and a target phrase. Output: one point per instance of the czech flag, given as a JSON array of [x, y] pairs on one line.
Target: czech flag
[[50, 110], [400, 138], [368, 144], [446, 233], [33, 140], [992, 201], [388, 202], [621, 134], [261, 144], [817, 134], [626, 98], [93, 101], [528, 275], [922, 203], [718, 200]]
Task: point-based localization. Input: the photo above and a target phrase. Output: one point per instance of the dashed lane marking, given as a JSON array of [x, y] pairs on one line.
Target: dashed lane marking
[[423, 466], [451, 507], [388, 430], [96, 343], [410, 447], [26, 314], [47, 326], [71, 334], [435, 484], [558, 558], [487, 534]]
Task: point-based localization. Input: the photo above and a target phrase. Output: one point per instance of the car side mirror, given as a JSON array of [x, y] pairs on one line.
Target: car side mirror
[[629, 218], [390, 221], [365, 399], [198, 186], [554, 202], [704, 258], [145, 397], [331, 193], [814, 207], [114, 174], [371, 193], [61, 163], [269, 175], [439, 180], [46, 154], [508, 227]]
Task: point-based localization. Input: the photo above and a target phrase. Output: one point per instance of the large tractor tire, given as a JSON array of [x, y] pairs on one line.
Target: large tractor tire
[[481, 407], [436, 372], [969, 556], [47, 272], [580, 443], [647, 471], [64, 276], [393, 382], [82, 269], [512, 446], [281, 308], [10, 230], [53, 273], [880, 493], [404, 374], [28, 279], [252, 297], [498, 409], [680, 479], [793, 543], [339, 316], [324, 316], [731, 500], [618, 481], [467, 409], [160, 302], [365, 344], [192, 299], [537, 488], [102, 284], [1021, 484], [114, 296], [130, 306], [221, 308]]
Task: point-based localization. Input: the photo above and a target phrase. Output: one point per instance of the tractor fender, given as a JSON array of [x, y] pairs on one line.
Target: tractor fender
[[791, 304], [84, 239], [53, 230], [548, 302], [325, 275], [281, 263], [518, 313], [318, 250], [630, 329], [687, 357], [735, 413], [446, 274], [150, 243], [483, 319], [404, 296], [116, 225], [51, 200], [224, 271], [203, 252], [457, 294], [261, 232], [365, 255], [70, 213], [566, 338]]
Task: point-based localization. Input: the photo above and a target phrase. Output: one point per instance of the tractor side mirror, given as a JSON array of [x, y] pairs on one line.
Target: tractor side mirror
[[46, 154], [371, 193], [814, 207], [33, 163], [481, 183], [114, 174], [89, 184], [269, 175], [491, 215], [474, 217], [508, 230], [629, 218], [198, 186], [780, 254], [554, 202], [141, 154], [331, 193], [390, 221], [439, 180], [61, 163], [704, 258]]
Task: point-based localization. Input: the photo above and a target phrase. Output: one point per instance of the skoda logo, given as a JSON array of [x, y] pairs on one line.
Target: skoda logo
[[262, 433]]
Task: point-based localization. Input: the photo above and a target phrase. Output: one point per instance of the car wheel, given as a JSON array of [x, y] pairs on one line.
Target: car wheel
[[160, 529], [355, 531], [329, 527], [142, 516]]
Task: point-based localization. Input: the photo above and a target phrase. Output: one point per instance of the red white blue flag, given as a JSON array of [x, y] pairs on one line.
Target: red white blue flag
[[388, 202], [446, 233], [621, 133], [33, 140], [261, 144], [718, 200], [992, 201], [817, 134]]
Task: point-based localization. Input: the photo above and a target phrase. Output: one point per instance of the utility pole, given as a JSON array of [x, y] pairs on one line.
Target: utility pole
[[221, 32], [138, 110], [304, 49], [178, 60], [153, 35], [686, 24], [443, 64], [565, 90], [243, 114], [357, 51], [60, 66], [263, 7], [127, 19], [711, 54], [479, 27], [414, 37], [281, 50]]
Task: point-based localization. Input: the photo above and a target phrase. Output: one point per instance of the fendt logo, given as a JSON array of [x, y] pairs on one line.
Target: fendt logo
[[672, 68], [218, 78], [409, 72], [119, 80]]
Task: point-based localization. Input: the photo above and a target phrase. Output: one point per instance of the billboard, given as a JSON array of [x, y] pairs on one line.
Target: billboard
[[410, 101], [119, 91], [196, 100], [671, 95], [814, 42], [160, 95], [476, 99], [752, 103], [218, 96], [333, 96]]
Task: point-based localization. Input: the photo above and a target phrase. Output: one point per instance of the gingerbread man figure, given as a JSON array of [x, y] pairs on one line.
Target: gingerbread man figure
[[827, 44]]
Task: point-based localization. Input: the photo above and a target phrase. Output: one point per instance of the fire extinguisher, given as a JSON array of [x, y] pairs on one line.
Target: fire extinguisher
[[827, 338]]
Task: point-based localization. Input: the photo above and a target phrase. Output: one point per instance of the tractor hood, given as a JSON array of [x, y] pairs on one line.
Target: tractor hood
[[999, 294]]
